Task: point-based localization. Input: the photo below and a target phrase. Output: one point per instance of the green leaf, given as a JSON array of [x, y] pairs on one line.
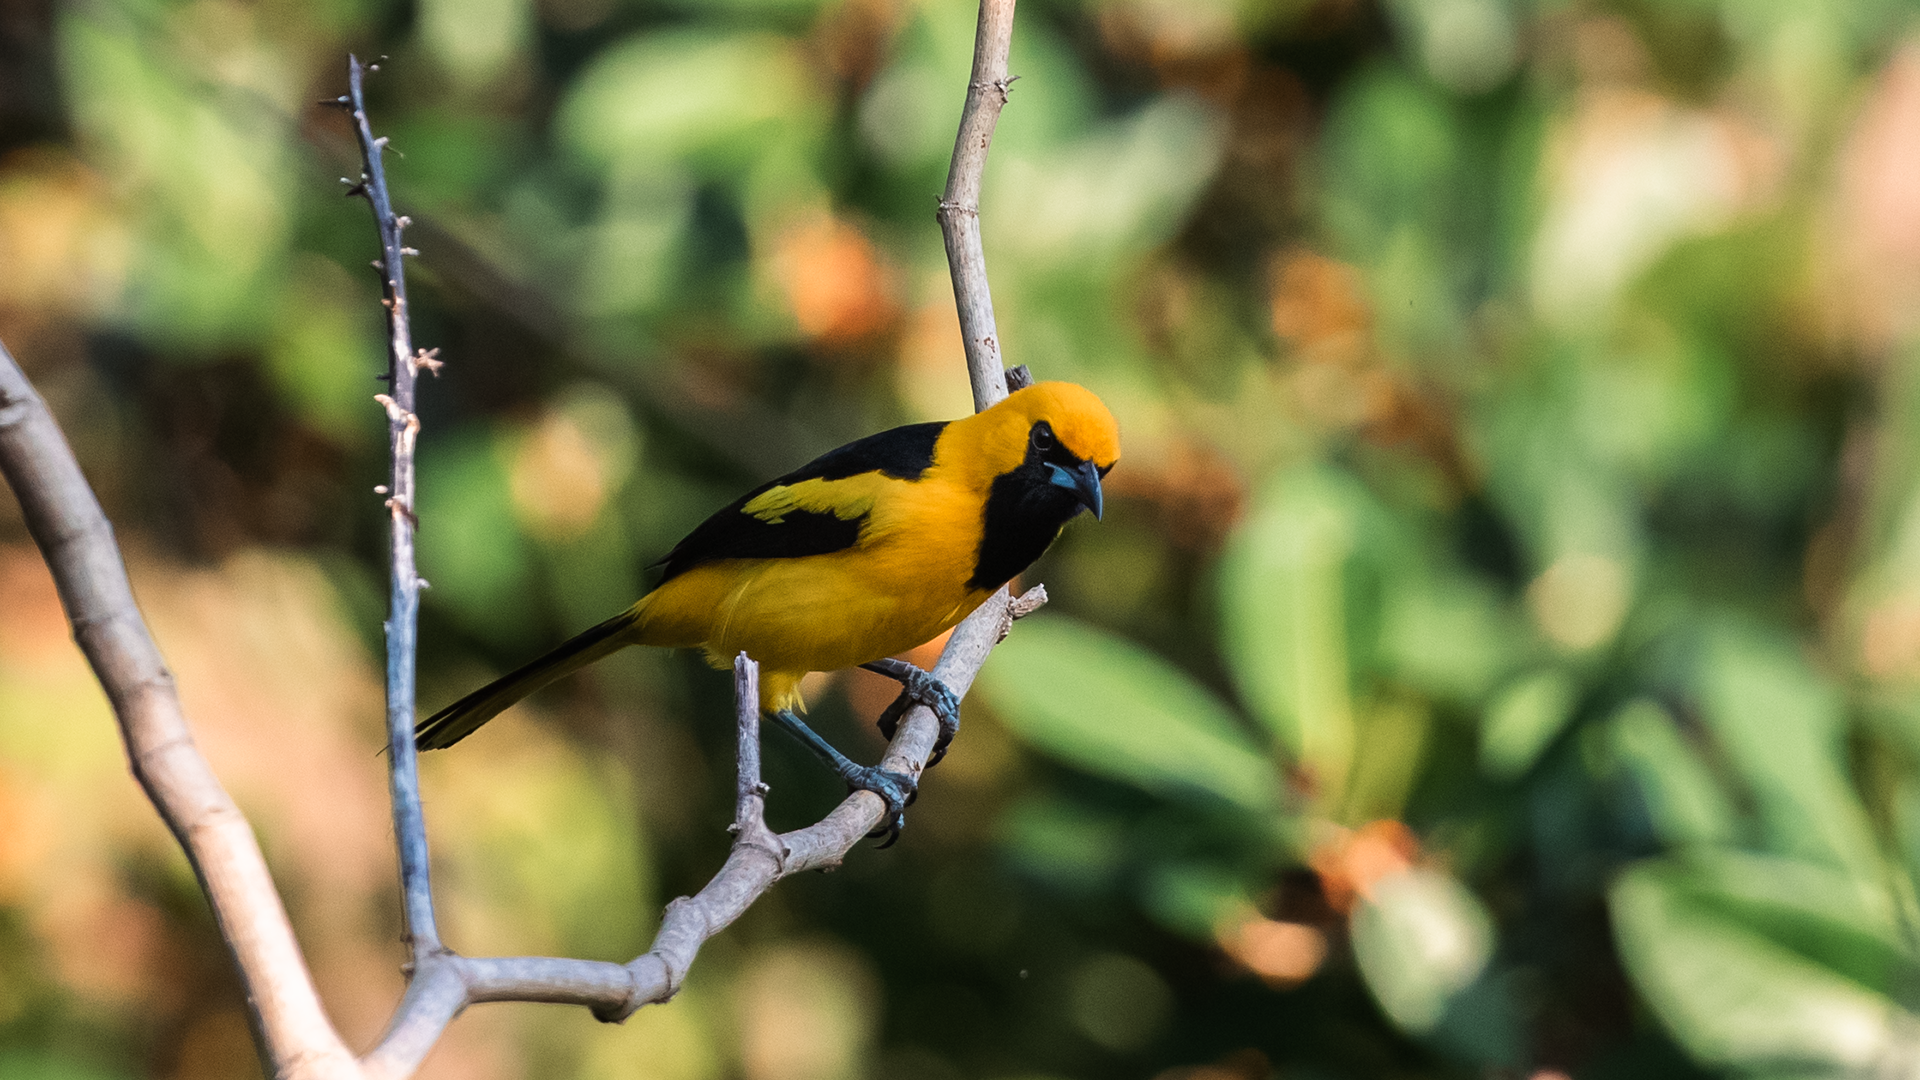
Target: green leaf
[[1449, 635], [1119, 190], [1191, 898], [1683, 798], [1113, 708], [209, 231], [1396, 732], [1781, 726], [1284, 610], [1840, 922], [1734, 996], [1521, 722], [1392, 149], [1421, 937], [684, 93]]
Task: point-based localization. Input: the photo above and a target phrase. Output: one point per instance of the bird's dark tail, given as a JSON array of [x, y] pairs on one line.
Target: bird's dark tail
[[464, 717]]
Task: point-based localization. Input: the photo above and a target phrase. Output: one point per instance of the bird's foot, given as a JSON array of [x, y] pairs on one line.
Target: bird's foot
[[918, 687], [897, 790]]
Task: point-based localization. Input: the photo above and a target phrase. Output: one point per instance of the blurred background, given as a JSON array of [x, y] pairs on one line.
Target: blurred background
[[1501, 660]]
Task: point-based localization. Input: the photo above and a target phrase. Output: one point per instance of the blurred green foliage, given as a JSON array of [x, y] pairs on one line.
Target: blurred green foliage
[[1499, 658]]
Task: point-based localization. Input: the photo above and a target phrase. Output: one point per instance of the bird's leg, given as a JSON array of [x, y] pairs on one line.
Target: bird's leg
[[897, 790], [918, 687]]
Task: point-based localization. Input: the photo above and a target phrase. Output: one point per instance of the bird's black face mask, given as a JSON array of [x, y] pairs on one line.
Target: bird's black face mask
[[1027, 507]]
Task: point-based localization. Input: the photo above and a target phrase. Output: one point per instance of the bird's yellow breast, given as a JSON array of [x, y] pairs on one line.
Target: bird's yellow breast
[[902, 583]]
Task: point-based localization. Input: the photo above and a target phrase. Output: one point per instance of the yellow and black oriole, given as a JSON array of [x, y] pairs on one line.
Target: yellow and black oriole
[[867, 551]]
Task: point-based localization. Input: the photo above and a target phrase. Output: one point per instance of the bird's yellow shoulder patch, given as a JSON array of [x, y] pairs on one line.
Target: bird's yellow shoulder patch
[[846, 498]]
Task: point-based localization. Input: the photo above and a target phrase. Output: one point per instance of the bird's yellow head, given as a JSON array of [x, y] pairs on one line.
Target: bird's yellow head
[[1077, 418], [1049, 444]]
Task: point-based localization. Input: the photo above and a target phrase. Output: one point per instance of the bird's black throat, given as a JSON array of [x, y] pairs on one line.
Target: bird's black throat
[[1025, 512]]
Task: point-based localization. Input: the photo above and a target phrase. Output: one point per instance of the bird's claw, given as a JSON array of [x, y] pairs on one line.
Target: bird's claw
[[897, 790], [918, 687]]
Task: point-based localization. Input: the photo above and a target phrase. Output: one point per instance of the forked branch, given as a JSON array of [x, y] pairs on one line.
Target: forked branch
[[298, 1042]]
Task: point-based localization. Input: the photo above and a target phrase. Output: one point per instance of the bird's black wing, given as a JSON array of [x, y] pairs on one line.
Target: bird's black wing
[[902, 453]]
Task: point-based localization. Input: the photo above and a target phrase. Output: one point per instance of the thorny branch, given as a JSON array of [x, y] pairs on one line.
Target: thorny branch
[[297, 1041], [403, 604]]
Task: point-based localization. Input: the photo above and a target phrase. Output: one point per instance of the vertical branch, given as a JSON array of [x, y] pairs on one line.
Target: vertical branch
[[959, 212], [959, 217], [750, 797], [403, 365], [749, 826]]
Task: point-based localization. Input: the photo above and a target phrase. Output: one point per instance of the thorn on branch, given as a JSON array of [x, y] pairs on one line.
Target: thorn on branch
[[395, 413]]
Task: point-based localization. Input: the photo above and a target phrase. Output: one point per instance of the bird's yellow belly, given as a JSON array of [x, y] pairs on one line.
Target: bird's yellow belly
[[819, 613]]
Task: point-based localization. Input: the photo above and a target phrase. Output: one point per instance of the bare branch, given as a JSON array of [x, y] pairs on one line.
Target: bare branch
[[960, 207], [403, 604], [78, 544]]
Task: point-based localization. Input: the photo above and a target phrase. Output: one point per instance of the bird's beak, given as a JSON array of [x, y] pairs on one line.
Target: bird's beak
[[1083, 481]]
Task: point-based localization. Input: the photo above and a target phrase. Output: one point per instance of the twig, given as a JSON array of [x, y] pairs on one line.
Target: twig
[[959, 212], [77, 542], [403, 604], [750, 798]]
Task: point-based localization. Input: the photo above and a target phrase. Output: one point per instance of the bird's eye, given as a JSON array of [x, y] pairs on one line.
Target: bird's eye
[[1042, 437]]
